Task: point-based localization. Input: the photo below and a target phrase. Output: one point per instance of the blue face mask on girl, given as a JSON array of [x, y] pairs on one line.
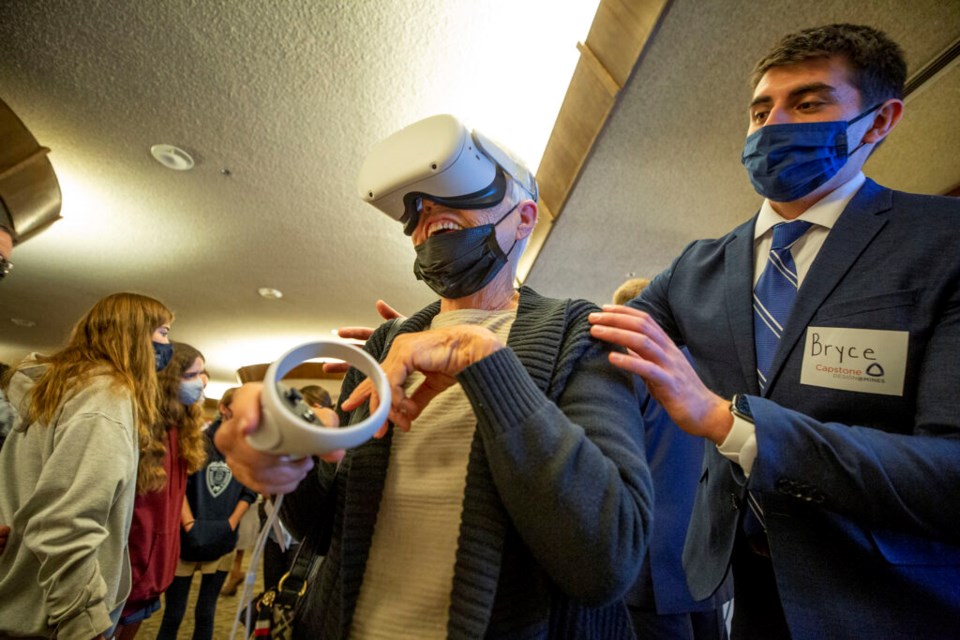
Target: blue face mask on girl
[[191, 391], [788, 161]]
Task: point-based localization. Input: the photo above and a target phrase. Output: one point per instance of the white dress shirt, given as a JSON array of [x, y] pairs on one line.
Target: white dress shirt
[[740, 444]]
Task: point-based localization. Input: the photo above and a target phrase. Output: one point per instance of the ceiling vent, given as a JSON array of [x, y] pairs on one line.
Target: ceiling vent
[[172, 157]]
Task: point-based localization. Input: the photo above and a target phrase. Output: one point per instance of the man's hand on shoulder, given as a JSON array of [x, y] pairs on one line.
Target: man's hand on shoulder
[[666, 371]]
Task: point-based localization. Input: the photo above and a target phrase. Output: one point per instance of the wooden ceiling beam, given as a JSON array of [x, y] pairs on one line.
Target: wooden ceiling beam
[[621, 31]]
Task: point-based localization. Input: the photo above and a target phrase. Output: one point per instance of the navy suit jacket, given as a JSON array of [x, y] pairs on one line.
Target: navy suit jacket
[[861, 491], [675, 459]]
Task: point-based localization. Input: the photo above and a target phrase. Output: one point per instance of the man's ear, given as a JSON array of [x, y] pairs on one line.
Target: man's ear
[[528, 218], [884, 121]]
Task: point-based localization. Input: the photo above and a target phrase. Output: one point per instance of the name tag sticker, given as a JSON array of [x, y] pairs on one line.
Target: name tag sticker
[[863, 360]]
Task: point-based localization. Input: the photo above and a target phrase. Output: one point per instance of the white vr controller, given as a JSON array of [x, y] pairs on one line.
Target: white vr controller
[[288, 425]]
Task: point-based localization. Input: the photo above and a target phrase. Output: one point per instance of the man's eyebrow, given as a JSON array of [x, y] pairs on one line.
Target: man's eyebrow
[[813, 87]]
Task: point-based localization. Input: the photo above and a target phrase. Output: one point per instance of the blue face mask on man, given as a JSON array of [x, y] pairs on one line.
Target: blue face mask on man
[[788, 161]]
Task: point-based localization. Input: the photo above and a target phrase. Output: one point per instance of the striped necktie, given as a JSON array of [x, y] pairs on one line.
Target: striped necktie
[[774, 295]]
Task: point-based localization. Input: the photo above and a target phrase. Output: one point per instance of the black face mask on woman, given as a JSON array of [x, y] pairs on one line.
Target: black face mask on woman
[[460, 263]]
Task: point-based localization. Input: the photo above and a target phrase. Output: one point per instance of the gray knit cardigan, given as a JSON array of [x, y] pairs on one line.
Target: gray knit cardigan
[[558, 501]]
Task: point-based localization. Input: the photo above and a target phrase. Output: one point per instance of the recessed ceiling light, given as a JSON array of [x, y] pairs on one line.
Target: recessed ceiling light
[[23, 322], [172, 157], [269, 293]]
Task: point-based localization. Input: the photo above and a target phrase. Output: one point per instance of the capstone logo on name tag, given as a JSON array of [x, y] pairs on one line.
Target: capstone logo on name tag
[[863, 360]]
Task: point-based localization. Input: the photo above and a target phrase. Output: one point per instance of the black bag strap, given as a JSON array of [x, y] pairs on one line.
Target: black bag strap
[[306, 560], [305, 563]]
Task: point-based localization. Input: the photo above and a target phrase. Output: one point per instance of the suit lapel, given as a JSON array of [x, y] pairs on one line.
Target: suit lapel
[[855, 229], [738, 271]]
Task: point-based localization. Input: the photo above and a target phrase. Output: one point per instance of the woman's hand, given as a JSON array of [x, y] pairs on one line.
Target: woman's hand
[[439, 354], [360, 333]]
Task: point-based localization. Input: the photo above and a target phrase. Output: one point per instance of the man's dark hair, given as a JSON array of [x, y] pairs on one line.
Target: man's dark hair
[[878, 68]]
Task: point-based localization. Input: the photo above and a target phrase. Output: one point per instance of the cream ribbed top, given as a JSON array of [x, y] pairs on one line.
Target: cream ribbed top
[[409, 573]]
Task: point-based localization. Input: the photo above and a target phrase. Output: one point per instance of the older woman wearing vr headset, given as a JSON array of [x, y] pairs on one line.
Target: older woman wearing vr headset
[[508, 494]]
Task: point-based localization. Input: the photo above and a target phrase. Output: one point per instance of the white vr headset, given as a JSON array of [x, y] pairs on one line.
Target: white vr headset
[[439, 159]]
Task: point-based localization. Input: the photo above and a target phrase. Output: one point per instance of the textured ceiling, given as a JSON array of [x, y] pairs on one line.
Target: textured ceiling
[[289, 96]]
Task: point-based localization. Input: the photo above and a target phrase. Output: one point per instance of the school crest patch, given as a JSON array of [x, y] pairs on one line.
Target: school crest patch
[[218, 477]]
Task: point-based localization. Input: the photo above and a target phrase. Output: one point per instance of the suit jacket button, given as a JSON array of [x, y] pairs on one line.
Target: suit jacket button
[[734, 501]]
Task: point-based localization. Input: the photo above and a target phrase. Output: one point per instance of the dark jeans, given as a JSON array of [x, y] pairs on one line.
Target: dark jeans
[[175, 601], [757, 612], [696, 625]]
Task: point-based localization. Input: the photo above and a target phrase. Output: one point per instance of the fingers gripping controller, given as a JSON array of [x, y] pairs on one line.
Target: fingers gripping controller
[[288, 426]]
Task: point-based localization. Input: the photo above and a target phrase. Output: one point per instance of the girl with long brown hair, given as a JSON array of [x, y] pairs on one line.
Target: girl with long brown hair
[[175, 449], [214, 507], [69, 468]]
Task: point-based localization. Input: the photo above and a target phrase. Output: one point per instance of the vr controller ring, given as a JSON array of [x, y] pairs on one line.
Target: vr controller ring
[[285, 430]]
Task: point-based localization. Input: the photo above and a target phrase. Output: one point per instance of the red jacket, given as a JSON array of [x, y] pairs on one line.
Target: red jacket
[[155, 532]]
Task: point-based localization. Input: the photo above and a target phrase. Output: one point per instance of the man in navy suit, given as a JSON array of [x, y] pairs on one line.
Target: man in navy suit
[[660, 602], [831, 483]]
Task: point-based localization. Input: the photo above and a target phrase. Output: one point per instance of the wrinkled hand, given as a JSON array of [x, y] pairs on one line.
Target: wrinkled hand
[[263, 472], [668, 374], [439, 354], [360, 333], [4, 534]]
